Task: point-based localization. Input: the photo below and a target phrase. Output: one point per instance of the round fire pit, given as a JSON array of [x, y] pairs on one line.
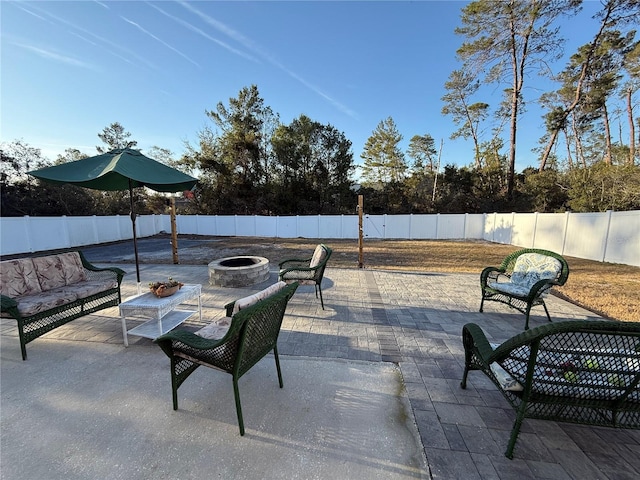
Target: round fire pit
[[238, 271]]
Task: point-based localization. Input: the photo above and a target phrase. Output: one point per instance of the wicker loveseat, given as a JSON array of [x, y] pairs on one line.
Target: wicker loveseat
[[42, 293], [523, 280], [584, 372], [234, 344]]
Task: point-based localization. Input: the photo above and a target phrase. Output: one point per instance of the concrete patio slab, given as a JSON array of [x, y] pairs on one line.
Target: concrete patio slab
[[89, 410]]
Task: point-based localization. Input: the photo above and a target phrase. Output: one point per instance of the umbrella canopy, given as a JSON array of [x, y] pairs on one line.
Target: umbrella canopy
[[120, 169]]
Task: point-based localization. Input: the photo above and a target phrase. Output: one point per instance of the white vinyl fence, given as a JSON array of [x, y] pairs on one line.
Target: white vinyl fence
[[607, 237]]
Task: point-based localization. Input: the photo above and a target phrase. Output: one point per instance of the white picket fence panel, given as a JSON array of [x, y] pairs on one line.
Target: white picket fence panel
[[603, 236]]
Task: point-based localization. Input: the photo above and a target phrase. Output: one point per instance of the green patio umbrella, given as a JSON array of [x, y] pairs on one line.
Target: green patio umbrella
[[120, 169]]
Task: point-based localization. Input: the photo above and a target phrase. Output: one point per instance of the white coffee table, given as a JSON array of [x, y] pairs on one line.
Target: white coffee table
[[162, 312]]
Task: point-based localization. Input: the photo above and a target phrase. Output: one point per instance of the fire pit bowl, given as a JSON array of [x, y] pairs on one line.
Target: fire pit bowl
[[241, 271]]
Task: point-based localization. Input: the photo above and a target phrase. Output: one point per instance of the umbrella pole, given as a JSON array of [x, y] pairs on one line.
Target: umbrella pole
[[135, 239]]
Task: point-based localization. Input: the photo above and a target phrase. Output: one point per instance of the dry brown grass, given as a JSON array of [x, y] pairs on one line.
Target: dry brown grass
[[611, 290]]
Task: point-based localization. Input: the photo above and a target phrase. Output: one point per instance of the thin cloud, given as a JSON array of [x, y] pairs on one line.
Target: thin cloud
[[58, 57], [228, 31], [335, 103], [26, 10], [204, 34], [125, 59], [98, 37], [103, 5], [313, 88], [146, 32], [84, 39], [252, 46]]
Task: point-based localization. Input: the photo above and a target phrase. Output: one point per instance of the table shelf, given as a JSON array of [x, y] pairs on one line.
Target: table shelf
[[158, 314], [149, 329]]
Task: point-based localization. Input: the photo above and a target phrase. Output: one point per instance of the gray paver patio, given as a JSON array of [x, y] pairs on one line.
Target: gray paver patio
[[415, 320]]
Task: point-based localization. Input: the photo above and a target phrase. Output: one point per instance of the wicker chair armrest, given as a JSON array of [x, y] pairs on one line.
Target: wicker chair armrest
[[229, 308], [300, 261], [490, 273], [117, 271], [9, 305], [473, 338], [103, 274], [541, 286]]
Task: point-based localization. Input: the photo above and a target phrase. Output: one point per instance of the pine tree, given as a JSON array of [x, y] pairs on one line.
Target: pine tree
[[384, 162], [507, 39]]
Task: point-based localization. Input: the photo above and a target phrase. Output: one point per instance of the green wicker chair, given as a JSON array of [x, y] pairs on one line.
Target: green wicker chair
[[307, 271], [252, 333], [585, 372], [523, 280]]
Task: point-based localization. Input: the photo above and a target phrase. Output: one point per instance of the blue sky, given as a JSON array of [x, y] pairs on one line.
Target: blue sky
[[69, 69]]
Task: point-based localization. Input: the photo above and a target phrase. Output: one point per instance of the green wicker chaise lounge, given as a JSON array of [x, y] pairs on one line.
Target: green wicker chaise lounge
[[234, 344], [585, 372], [523, 280]]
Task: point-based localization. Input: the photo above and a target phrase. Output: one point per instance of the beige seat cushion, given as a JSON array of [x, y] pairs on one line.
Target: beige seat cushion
[[319, 255], [215, 330], [246, 302], [39, 302], [88, 288]]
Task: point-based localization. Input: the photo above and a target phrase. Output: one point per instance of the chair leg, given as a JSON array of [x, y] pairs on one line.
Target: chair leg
[[467, 366], [275, 354], [482, 302], [463, 382], [546, 311], [174, 384], [321, 299], [23, 344], [236, 394], [526, 317], [515, 430]]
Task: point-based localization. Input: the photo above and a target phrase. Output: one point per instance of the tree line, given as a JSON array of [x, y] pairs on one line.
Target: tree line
[[249, 162]]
